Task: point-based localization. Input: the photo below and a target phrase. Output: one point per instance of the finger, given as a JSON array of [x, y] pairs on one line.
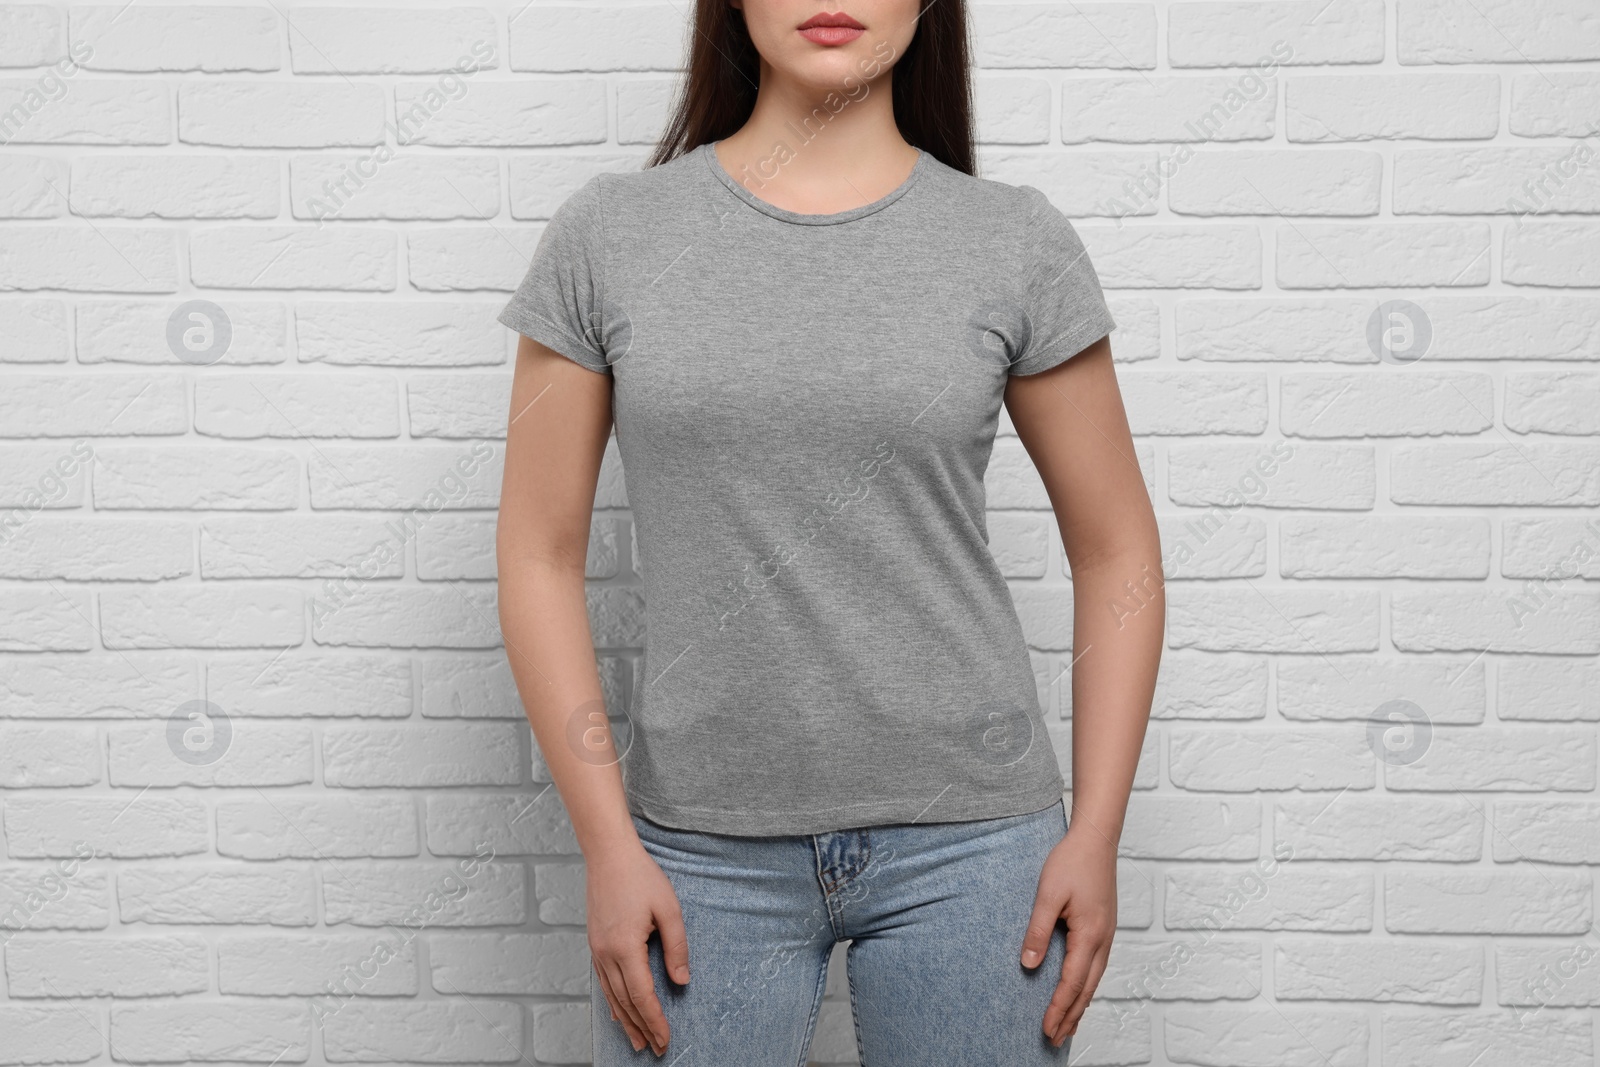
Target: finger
[[674, 942], [632, 1020], [1102, 957], [1074, 975], [642, 993], [635, 1037], [1048, 905]]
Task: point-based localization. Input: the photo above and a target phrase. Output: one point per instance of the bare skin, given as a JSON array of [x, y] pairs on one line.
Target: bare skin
[[1069, 418]]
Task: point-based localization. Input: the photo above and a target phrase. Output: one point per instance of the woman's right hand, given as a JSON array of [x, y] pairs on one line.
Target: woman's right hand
[[628, 897]]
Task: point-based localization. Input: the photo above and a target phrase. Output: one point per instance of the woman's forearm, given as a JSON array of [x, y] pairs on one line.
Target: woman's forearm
[[545, 621], [1119, 613]]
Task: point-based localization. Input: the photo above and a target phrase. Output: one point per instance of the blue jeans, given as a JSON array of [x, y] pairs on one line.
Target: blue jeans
[[934, 913]]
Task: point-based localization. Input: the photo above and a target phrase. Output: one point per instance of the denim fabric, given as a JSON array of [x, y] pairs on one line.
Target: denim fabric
[[934, 915]]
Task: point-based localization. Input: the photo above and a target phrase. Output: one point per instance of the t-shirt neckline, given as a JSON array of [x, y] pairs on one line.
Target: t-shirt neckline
[[708, 152]]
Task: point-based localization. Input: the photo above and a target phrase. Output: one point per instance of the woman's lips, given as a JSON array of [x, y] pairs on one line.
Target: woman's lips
[[831, 35]]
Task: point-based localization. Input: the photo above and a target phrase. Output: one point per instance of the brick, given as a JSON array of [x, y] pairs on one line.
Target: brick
[[1173, 969], [482, 1031], [1171, 110], [35, 331], [209, 39], [1383, 546], [1197, 686], [242, 114], [555, 964], [1551, 621], [292, 965], [560, 891], [167, 966], [48, 1034], [196, 478], [407, 618], [1439, 31], [1278, 182], [283, 257], [65, 895], [35, 478], [531, 823], [468, 685], [209, 616], [1449, 689], [419, 334], [1542, 687], [1277, 896], [1267, 1037], [122, 685], [1472, 901], [1012, 110], [1563, 402], [310, 685], [1406, 404], [1333, 255], [1550, 253], [445, 259], [107, 549], [187, 1030], [529, 113], [1380, 828], [45, 620], [1505, 181], [467, 892], [392, 40], [317, 828], [1546, 831], [117, 260], [1272, 620], [1509, 759], [323, 187], [100, 112], [642, 107], [456, 754], [1553, 103], [1387, 107], [424, 478], [90, 405], [175, 187], [1191, 257], [1490, 473], [459, 405], [1192, 828], [32, 187], [257, 754], [228, 894], [35, 756], [121, 827], [1216, 759], [293, 546], [31, 35], [1079, 35], [1260, 34], [556, 38], [137, 332], [303, 405]]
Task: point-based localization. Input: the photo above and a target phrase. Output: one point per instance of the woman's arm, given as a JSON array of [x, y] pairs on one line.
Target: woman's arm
[[1071, 420], [559, 421]]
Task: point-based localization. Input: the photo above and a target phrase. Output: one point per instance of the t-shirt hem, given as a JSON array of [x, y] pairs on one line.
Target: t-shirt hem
[[874, 813], [553, 337], [1066, 346]]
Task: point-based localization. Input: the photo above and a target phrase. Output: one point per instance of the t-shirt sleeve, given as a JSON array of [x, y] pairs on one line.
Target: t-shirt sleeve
[[559, 301], [1066, 308]]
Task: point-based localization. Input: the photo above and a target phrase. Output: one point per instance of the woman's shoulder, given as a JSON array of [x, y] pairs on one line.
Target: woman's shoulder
[[989, 197]]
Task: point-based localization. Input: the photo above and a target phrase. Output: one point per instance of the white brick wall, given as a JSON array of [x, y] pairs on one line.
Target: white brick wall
[[376, 869]]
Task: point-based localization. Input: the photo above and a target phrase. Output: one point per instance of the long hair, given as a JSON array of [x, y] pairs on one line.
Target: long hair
[[932, 84]]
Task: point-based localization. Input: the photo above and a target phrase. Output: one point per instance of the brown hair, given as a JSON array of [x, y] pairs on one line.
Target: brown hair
[[932, 84]]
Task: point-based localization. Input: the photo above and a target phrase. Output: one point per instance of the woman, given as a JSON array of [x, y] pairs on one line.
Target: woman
[[805, 315]]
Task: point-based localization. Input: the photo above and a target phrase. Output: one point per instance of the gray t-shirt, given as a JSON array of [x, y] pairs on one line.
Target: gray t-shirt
[[804, 407]]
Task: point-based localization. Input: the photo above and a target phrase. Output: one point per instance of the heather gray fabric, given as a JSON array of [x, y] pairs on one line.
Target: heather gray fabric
[[805, 406]]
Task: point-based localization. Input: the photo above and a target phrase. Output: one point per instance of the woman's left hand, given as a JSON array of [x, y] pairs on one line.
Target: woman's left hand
[[1078, 884]]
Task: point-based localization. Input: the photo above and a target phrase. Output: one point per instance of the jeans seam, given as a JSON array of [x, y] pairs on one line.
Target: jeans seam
[[855, 1011]]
